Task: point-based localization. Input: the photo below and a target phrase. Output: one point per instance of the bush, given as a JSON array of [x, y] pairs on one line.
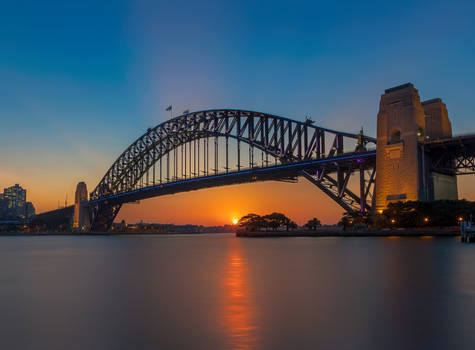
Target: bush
[[313, 224], [423, 214]]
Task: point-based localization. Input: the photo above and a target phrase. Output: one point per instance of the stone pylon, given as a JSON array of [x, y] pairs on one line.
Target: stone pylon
[[81, 212], [402, 170]]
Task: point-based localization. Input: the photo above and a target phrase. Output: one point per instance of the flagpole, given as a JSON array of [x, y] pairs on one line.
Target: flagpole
[[170, 108]]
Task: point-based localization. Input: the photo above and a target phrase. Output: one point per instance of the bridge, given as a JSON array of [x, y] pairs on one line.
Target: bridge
[[414, 155], [223, 147]]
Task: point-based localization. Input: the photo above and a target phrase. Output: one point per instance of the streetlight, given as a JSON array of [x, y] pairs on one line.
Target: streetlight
[[426, 220]]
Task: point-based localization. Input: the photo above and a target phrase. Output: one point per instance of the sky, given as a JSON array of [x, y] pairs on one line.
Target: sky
[[80, 81]]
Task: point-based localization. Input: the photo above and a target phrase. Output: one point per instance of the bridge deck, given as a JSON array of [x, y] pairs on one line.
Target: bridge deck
[[455, 142], [452, 156], [280, 172]]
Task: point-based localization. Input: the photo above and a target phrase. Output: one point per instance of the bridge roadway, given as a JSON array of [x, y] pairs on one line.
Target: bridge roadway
[[453, 156], [284, 172], [442, 152], [330, 173]]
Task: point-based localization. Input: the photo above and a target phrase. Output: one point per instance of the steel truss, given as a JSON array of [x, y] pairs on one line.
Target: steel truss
[[179, 149], [452, 156], [462, 164], [465, 165], [335, 185]]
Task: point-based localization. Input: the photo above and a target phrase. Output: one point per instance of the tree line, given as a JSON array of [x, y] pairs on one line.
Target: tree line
[[410, 214], [440, 213], [274, 221]]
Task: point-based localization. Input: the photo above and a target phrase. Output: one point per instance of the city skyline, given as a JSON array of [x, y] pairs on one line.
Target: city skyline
[[77, 97]]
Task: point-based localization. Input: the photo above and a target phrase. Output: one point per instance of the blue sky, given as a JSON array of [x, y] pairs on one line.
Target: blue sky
[[81, 80]]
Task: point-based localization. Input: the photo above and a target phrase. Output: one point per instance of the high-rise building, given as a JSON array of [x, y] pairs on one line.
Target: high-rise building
[[13, 203], [3, 207], [15, 195], [29, 210]]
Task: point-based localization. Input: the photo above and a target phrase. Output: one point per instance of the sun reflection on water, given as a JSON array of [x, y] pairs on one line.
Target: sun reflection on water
[[238, 309]]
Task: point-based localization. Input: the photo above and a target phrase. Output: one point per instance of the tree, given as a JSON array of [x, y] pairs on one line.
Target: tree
[[346, 221], [313, 224], [291, 225], [251, 222], [276, 220], [355, 218], [273, 221], [422, 214]]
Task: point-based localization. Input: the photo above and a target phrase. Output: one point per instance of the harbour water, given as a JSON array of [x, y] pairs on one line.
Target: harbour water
[[216, 291]]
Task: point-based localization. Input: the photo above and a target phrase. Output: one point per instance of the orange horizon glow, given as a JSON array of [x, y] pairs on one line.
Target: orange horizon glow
[[209, 207], [222, 205]]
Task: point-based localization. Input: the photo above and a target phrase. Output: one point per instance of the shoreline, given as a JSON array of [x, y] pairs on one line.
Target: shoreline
[[324, 232], [415, 232], [26, 234]]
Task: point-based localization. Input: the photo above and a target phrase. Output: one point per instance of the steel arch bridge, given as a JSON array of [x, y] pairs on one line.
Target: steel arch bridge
[[228, 146]]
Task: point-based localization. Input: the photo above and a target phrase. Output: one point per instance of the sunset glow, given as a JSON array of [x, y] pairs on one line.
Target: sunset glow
[[79, 118], [238, 175]]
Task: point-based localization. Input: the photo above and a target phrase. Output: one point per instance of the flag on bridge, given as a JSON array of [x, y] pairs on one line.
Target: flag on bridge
[[169, 108]]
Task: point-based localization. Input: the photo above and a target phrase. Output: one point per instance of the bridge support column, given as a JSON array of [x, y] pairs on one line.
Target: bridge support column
[[404, 123], [400, 126], [438, 185], [362, 190], [103, 215], [81, 218]]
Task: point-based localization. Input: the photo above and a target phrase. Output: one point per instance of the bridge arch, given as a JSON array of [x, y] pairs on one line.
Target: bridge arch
[[285, 140]]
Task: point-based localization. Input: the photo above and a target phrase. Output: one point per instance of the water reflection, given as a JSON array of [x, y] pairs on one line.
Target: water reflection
[[239, 312], [220, 292]]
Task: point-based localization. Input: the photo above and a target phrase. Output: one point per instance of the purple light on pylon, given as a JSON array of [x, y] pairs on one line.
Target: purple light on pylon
[[359, 160]]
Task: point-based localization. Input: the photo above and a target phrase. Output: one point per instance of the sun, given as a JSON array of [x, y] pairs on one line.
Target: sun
[[235, 221]]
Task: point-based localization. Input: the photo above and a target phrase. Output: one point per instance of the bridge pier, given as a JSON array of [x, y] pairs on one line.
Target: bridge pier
[[439, 184], [402, 165], [81, 217], [103, 215]]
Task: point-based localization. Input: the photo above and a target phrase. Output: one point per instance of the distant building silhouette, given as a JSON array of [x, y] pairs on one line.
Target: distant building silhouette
[[3, 206], [15, 195], [29, 210], [13, 203]]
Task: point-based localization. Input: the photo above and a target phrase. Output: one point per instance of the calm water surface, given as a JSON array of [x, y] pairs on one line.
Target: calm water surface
[[221, 292]]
